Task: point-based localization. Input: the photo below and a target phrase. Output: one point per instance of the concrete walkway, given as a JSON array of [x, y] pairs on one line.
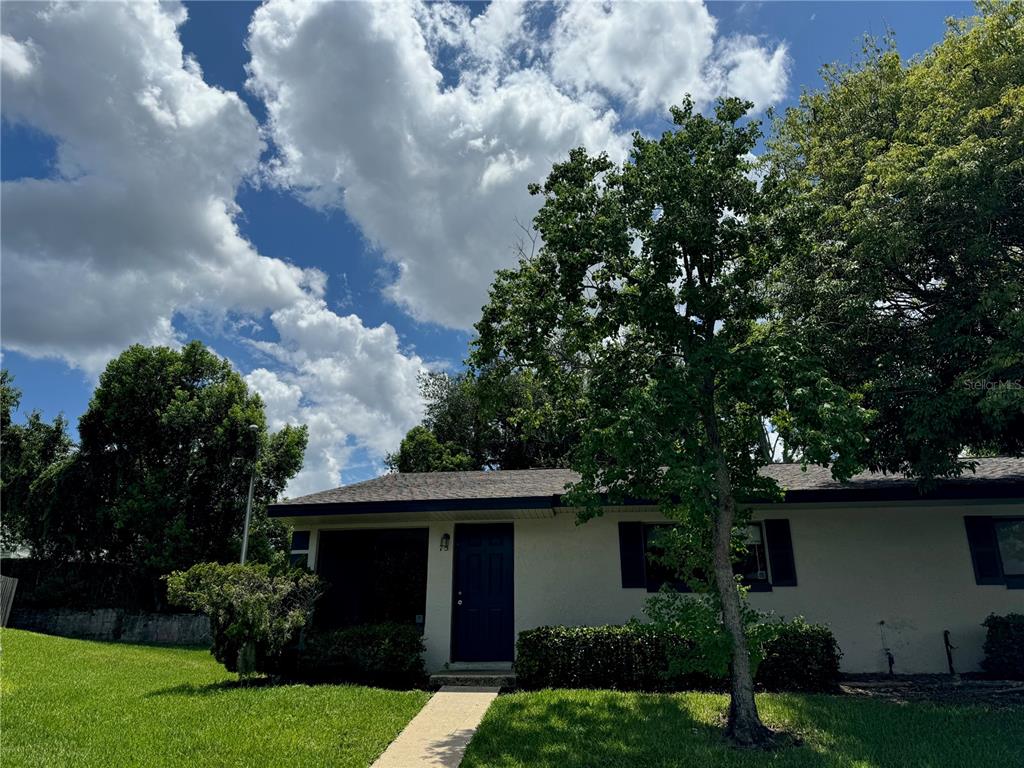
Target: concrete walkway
[[438, 735]]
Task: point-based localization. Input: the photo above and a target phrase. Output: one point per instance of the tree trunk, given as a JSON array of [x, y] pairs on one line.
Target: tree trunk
[[744, 726]]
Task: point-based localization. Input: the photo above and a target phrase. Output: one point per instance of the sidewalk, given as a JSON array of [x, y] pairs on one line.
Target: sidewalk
[[438, 735]]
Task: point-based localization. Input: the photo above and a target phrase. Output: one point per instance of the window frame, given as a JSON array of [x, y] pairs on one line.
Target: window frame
[[997, 522], [653, 583]]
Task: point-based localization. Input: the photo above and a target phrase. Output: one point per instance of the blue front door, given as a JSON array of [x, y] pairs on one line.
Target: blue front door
[[482, 620]]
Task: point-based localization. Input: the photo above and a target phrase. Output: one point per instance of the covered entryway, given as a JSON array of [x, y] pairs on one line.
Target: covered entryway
[[373, 575], [482, 603]]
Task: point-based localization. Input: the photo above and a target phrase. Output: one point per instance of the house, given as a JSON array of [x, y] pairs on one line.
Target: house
[[474, 558]]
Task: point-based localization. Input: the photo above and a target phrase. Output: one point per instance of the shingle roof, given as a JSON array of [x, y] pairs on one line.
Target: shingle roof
[[793, 477], [1001, 477], [434, 486]]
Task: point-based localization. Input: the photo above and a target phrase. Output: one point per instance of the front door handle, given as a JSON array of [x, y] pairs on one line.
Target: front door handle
[[459, 602]]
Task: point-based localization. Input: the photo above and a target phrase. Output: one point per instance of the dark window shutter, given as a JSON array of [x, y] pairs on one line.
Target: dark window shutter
[[981, 537], [631, 554], [780, 553]]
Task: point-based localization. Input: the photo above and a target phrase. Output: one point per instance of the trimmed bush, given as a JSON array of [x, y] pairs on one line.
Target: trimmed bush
[[799, 657], [631, 657], [1004, 646], [385, 655], [255, 610], [637, 657]]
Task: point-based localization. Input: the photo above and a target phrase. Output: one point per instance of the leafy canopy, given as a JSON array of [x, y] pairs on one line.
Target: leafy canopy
[[28, 449], [900, 196], [491, 417], [162, 472], [647, 313]]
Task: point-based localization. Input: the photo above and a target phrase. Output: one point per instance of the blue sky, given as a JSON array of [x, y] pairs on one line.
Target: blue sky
[[329, 219]]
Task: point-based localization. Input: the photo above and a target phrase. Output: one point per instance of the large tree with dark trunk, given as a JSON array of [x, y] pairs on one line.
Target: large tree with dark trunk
[[645, 314]]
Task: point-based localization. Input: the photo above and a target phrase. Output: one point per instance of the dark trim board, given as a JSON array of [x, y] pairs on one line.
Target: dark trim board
[[950, 492], [428, 505]]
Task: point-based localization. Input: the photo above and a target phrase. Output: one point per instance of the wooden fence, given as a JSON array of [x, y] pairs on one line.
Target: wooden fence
[[7, 587]]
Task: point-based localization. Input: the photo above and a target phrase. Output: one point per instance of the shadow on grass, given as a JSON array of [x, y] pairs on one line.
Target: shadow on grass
[[599, 728], [591, 729], [209, 689]]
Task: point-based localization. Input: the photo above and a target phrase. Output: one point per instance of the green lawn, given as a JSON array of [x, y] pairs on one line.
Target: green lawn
[[570, 729], [78, 703]]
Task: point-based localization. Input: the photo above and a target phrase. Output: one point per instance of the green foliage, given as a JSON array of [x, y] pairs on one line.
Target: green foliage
[[162, 472], [493, 417], [86, 585], [698, 619], [28, 449], [797, 656], [116, 705], [421, 451], [1004, 646], [691, 652], [254, 610], [385, 655], [898, 195], [631, 657]]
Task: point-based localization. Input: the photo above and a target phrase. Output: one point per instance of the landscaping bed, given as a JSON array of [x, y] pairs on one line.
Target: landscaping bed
[[81, 703], [938, 689]]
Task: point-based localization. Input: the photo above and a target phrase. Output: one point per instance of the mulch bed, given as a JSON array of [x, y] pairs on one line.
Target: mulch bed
[[939, 689]]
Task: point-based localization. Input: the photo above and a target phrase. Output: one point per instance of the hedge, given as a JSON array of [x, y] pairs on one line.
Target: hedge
[[636, 657], [386, 655], [45, 584], [1004, 646]]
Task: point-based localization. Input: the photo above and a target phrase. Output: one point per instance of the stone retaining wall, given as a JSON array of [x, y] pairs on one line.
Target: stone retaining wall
[[116, 624]]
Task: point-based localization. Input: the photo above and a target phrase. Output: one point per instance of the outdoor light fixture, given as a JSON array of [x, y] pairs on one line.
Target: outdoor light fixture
[[445, 541]]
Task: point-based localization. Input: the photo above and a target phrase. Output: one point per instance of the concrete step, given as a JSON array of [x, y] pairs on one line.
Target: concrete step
[[474, 678]]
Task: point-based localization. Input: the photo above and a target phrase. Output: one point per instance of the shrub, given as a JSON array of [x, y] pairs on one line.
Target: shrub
[[1004, 646], [387, 655], [255, 610], [696, 618], [799, 657], [796, 656], [631, 657]]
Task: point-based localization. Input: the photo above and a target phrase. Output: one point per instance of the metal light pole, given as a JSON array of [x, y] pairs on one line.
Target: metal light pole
[[248, 505]]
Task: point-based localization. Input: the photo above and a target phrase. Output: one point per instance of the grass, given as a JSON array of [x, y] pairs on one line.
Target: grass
[[77, 703], [572, 729]]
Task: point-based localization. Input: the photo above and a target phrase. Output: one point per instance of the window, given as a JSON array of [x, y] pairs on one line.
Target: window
[[656, 573], [1010, 537], [753, 567], [768, 563], [299, 554], [997, 549]]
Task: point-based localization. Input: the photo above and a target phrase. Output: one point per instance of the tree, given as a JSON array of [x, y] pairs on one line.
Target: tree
[[421, 451], [900, 190], [645, 314], [162, 472], [489, 417], [28, 449]]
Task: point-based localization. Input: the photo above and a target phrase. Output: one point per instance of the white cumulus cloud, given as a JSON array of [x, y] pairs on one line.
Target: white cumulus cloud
[[425, 123], [351, 384], [137, 226]]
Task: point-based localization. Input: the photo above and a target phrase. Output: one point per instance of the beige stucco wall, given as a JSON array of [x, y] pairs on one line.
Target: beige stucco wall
[[908, 565]]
